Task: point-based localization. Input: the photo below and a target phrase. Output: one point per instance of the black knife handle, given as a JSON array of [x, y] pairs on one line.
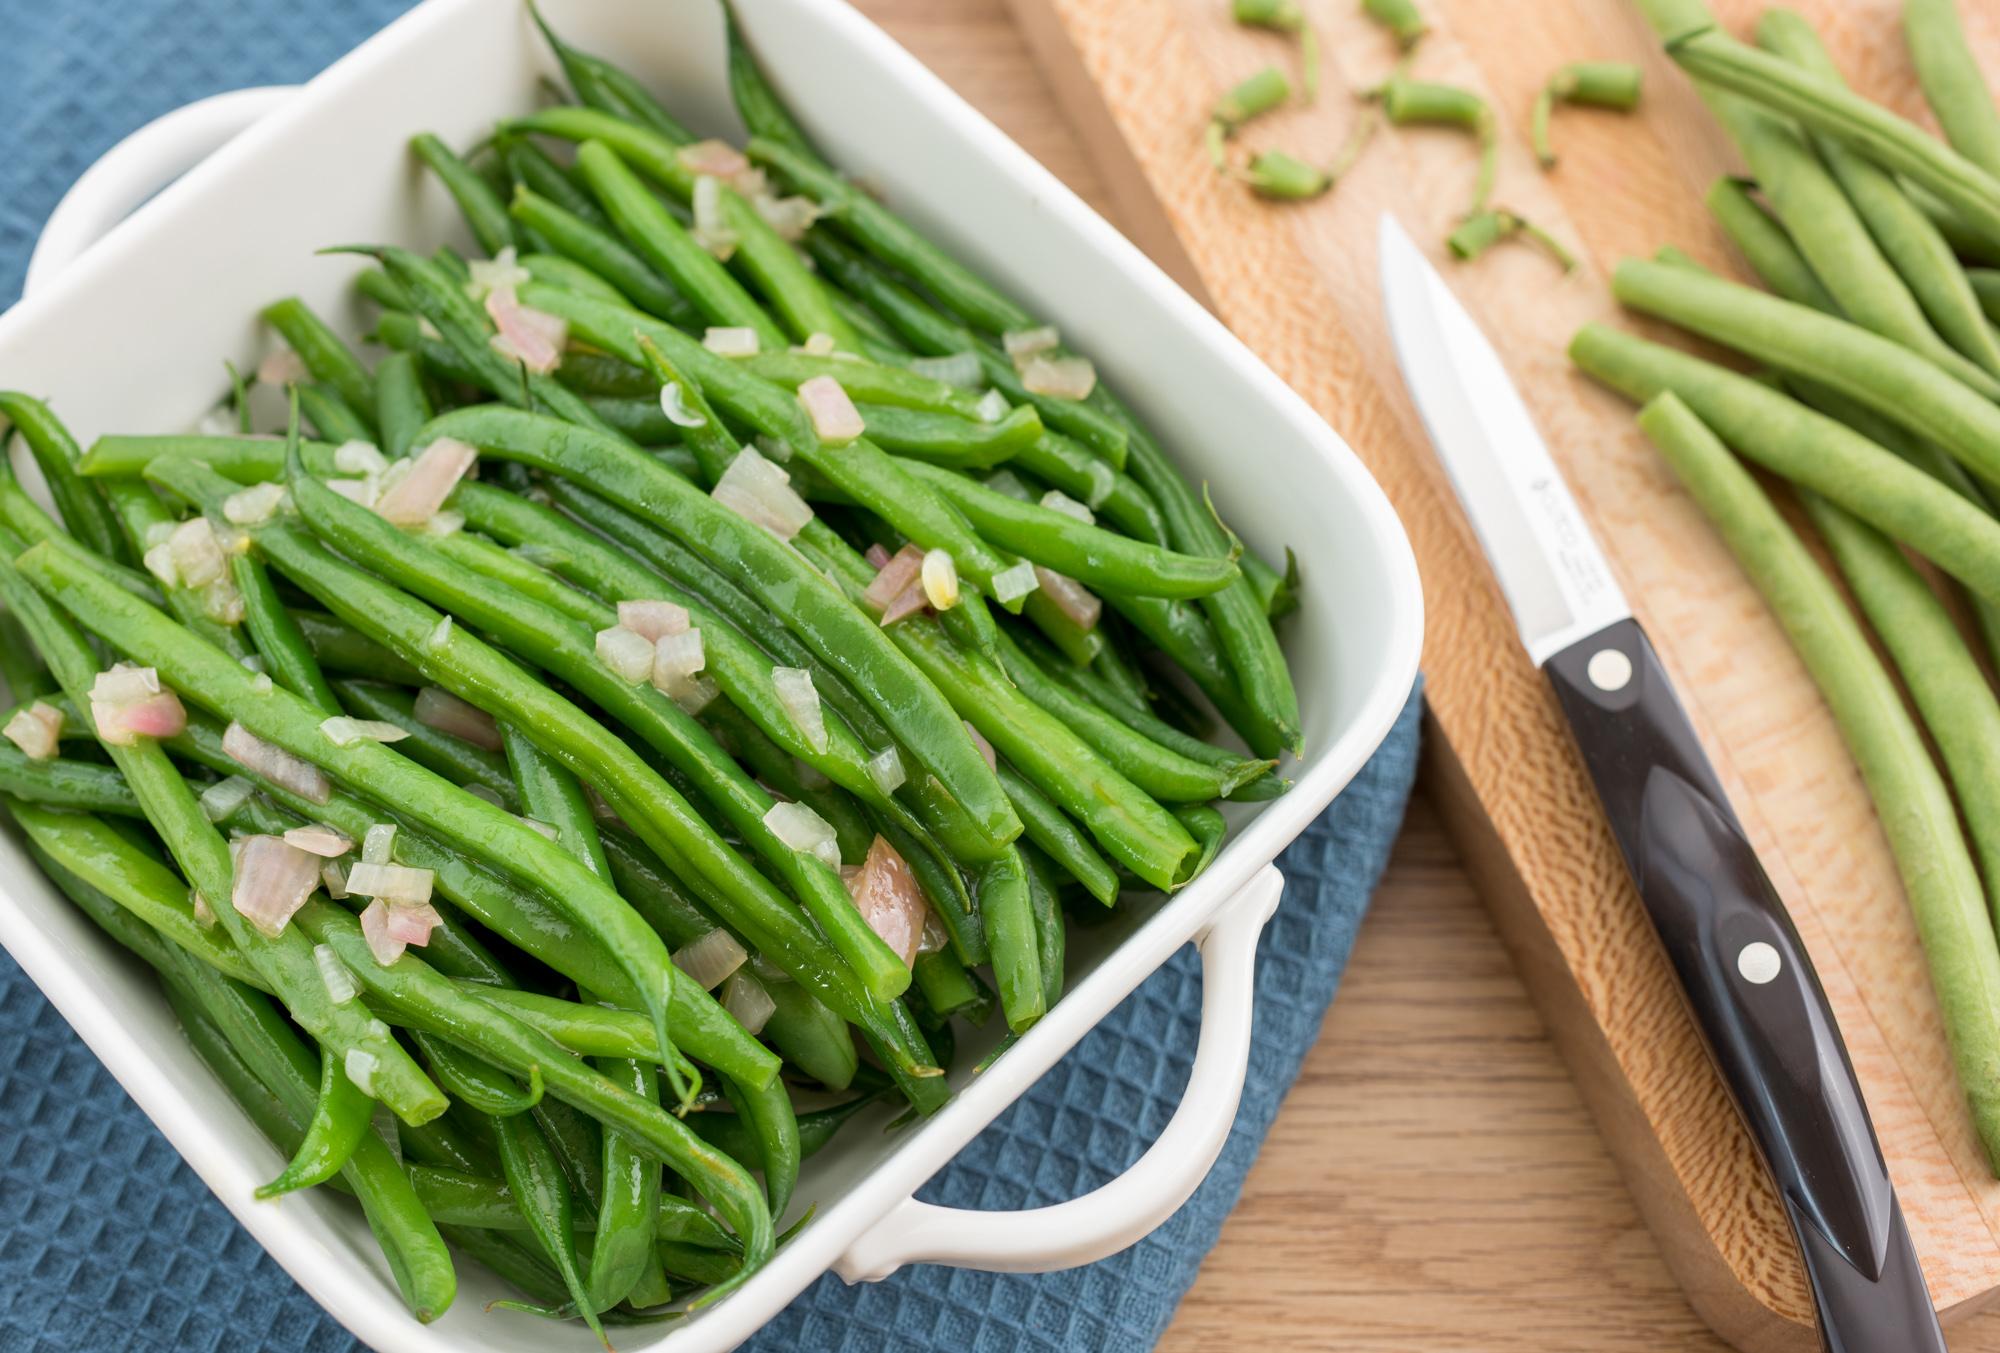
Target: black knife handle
[[1751, 989]]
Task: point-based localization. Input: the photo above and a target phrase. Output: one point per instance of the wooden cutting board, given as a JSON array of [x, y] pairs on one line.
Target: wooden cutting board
[[1298, 283]]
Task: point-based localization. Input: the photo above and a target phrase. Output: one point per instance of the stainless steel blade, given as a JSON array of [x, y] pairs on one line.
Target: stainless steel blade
[[1551, 570]]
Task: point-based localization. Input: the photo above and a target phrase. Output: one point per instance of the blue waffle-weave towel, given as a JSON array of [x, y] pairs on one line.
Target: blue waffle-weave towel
[[107, 1241]]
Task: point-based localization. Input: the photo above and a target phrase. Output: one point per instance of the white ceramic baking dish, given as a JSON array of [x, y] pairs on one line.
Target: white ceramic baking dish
[[126, 333]]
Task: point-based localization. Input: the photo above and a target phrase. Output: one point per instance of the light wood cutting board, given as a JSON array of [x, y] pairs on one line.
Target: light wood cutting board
[[1298, 284]]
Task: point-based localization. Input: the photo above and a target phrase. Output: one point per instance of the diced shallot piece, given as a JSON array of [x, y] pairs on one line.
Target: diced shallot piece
[[501, 272], [801, 701], [895, 580], [254, 505], [273, 880], [673, 403], [1059, 377], [412, 922], [197, 554], [802, 829], [1021, 344], [940, 579], [448, 714], [876, 556], [653, 619], [340, 984], [1014, 582], [791, 217], [359, 457], [1055, 500], [316, 838], [885, 768], [224, 797], [36, 730], [731, 341], [128, 703], [378, 843], [281, 366], [744, 997], [676, 659], [887, 895], [960, 369], [1074, 600], [342, 731], [534, 338], [375, 929], [708, 959], [275, 764], [717, 159], [760, 492], [626, 652], [415, 498], [395, 883], [833, 414]]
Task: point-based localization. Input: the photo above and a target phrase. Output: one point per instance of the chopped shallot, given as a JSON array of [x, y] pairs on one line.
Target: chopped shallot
[[1059, 377], [898, 589], [1021, 344], [224, 797], [709, 959], [254, 505], [940, 579], [673, 403], [833, 414], [653, 619], [1055, 500], [375, 929], [342, 731], [885, 768], [711, 231], [887, 895], [448, 714], [802, 829], [275, 764], [415, 498], [731, 341], [676, 660], [395, 883], [359, 457], [625, 652], [281, 366], [534, 338], [760, 492], [992, 407], [273, 880], [128, 702], [378, 843], [36, 730], [196, 553], [1071, 596], [790, 217], [960, 368], [1015, 582], [717, 159], [319, 839], [801, 701], [500, 273], [340, 984], [744, 997]]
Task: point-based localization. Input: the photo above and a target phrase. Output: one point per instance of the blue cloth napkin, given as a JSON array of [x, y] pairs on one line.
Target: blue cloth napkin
[[108, 1241]]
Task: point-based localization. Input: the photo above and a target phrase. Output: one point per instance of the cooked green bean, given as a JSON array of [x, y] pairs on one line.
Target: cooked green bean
[[1918, 816], [83, 510], [340, 1119], [58, 783], [447, 754], [1061, 839], [329, 359], [601, 252]]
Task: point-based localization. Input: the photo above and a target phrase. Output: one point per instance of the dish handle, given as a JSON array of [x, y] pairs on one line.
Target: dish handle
[[1125, 1210], [137, 167]]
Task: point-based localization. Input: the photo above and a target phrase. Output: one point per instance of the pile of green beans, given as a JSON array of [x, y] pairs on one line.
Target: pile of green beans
[[882, 864], [1876, 405]]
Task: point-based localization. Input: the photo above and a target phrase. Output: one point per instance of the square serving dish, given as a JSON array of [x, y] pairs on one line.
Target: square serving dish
[[129, 336]]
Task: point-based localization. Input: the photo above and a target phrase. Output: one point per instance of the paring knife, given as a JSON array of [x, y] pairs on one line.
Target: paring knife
[[1741, 967]]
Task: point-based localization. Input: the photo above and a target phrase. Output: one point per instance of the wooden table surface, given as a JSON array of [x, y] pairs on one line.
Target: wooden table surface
[[1433, 1182]]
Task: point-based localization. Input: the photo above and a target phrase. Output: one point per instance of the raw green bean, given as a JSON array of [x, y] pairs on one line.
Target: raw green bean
[[84, 511], [1286, 16], [1481, 231], [1945, 682], [1918, 816], [481, 206], [328, 358], [1598, 84], [1808, 448], [1712, 55], [1909, 239], [1883, 375], [1770, 251], [1407, 102], [1951, 80], [1401, 18]]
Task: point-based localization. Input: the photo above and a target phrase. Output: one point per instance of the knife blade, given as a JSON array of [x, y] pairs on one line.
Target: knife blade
[[1744, 973]]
